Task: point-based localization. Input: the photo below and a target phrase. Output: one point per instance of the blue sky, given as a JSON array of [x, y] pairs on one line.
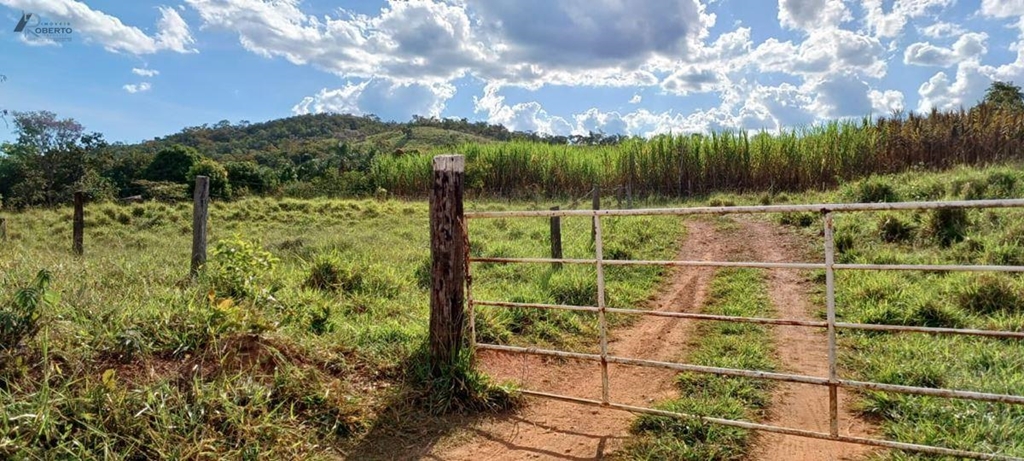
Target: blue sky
[[136, 70]]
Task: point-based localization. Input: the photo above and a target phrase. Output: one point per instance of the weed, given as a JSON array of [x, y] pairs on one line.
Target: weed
[[990, 293], [946, 225], [891, 229]]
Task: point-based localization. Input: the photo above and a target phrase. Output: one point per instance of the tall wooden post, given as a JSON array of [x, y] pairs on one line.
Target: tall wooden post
[[596, 206], [3, 229], [200, 213], [448, 263], [78, 229], [556, 238]]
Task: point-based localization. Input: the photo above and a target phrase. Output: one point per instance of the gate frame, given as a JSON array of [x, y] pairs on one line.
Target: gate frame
[[441, 337]]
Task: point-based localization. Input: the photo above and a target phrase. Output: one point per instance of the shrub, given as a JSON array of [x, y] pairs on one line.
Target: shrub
[[19, 317], [875, 190], [946, 225], [990, 293], [323, 276], [891, 229], [238, 267]]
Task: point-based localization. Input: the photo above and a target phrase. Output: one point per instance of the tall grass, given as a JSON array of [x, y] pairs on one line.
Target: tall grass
[[815, 157]]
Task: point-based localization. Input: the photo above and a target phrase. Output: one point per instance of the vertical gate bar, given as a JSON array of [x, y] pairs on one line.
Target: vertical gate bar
[[830, 300], [602, 323], [469, 295]]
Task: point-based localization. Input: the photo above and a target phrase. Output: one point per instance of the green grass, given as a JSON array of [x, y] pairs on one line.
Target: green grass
[[737, 292], [302, 338], [957, 300]]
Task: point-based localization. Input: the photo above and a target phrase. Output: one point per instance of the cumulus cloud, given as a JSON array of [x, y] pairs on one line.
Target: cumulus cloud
[[529, 116], [137, 88], [968, 46], [812, 14], [1002, 8], [592, 32], [941, 30], [383, 97], [579, 42], [172, 32], [891, 24], [145, 72], [636, 99]]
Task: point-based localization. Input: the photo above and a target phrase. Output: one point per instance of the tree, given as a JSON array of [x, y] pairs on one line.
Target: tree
[[1005, 95], [173, 164], [48, 159], [218, 175]]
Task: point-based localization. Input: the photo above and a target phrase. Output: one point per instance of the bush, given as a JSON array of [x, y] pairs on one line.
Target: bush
[[946, 225], [990, 293], [19, 317], [323, 276], [219, 186], [891, 229], [875, 190], [238, 267]]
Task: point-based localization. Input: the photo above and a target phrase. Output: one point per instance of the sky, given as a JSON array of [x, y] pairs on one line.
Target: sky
[[134, 70]]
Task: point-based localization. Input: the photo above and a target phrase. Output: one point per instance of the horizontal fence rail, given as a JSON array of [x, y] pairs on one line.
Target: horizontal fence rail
[[830, 324], [754, 209]]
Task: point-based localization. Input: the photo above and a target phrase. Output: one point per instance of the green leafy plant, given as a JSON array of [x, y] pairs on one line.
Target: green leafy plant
[[238, 268], [19, 317]]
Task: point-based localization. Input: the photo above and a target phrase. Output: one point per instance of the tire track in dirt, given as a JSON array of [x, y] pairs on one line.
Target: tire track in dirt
[[802, 351], [549, 429]]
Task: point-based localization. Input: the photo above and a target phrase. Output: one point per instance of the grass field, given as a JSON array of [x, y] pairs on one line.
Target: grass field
[[307, 324], [307, 327]]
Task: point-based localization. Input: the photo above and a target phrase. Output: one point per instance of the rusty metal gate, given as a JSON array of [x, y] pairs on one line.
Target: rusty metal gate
[[833, 381]]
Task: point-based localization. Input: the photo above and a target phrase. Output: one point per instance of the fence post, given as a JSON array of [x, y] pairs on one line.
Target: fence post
[[556, 238], [78, 228], [596, 206], [3, 229], [448, 263], [200, 213]]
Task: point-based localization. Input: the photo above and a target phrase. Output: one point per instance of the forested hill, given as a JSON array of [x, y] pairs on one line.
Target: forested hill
[[316, 134]]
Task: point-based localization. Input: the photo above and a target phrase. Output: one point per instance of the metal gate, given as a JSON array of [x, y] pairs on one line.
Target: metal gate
[[833, 381]]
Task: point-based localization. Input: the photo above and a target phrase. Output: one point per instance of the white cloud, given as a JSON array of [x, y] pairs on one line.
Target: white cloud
[[964, 91], [1002, 8], [145, 72], [891, 24], [137, 88], [382, 97], [636, 99], [812, 14], [579, 42], [528, 116], [823, 52], [941, 30], [172, 32], [968, 46], [886, 102]]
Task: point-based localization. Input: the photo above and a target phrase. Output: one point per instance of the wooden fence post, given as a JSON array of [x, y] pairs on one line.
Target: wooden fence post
[[596, 206], [556, 238], [448, 263], [3, 229], [78, 229], [200, 213]]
